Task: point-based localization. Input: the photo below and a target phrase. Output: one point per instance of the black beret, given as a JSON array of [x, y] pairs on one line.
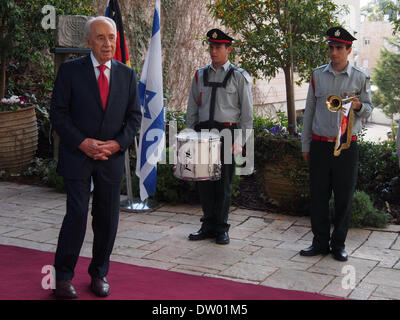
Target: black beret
[[217, 36], [339, 34]]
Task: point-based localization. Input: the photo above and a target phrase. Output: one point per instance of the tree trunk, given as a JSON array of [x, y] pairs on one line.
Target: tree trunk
[[3, 64], [291, 109]]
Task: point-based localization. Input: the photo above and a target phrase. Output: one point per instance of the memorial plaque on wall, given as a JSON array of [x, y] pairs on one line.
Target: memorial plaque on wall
[[69, 32]]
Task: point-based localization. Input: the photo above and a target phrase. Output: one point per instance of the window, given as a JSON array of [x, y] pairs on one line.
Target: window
[[365, 63], [366, 42]]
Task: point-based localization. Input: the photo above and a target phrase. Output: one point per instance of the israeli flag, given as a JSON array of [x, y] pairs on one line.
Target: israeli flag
[[152, 133]]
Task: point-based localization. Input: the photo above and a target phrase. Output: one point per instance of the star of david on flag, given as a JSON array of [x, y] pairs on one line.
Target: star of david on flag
[[152, 132]]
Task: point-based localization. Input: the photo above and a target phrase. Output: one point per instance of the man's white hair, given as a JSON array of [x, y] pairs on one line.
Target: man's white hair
[[93, 19]]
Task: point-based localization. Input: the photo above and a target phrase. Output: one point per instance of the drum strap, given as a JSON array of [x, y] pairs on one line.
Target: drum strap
[[214, 86]]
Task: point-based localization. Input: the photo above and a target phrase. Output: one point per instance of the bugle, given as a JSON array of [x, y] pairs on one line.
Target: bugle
[[335, 103]]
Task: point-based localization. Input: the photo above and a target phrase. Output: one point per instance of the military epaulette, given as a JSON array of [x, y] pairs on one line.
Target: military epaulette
[[321, 67], [243, 72], [312, 74], [199, 73]]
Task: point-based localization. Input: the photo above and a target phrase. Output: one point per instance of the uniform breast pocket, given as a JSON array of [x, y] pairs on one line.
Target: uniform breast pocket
[[351, 91], [231, 96], [230, 89]]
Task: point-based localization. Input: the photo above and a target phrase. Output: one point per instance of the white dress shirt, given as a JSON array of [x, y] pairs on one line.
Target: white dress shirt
[[107, 71]]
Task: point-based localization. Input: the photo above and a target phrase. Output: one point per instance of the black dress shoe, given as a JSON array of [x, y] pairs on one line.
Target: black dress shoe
[[65, 290], [313, 251], [100, 287], [200, 235], [222, 238], [340, 254]]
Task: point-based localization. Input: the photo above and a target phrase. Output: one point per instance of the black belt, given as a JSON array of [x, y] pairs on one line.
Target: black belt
[[215, 125]]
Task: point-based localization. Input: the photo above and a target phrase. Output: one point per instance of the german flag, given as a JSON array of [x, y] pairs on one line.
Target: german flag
[[114, 12]]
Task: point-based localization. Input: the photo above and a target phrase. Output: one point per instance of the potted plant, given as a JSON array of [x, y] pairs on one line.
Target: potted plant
[[282, 174], [18, 133]]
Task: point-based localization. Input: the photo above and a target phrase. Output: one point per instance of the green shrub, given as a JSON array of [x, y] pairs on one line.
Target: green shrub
[[46, 170], [173, 190], [362, 206], [378, 173], [363, 212], [53, 179]]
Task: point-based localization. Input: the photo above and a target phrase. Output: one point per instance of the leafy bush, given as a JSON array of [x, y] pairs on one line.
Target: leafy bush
[[46, 171], [363, 212], [173, 190], [378, 173], [262, 125], [179, 117], [53, 179]]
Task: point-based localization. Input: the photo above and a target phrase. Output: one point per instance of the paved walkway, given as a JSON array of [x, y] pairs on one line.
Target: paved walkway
[[263, 250], [376, 132]]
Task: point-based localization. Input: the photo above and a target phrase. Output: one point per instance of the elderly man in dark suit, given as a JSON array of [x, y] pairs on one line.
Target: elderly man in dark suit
[[96, 112]]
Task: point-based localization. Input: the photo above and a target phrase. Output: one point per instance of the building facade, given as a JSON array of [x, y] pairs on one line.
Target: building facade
[[374, 36]]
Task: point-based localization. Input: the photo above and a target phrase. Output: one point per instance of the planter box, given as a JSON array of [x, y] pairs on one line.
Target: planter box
[[18, 139], [283, 190]]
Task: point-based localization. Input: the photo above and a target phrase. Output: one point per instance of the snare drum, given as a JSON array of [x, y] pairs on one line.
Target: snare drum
[[198, 156]]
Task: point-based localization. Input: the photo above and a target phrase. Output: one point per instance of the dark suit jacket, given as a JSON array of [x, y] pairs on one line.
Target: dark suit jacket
[[76, 113]]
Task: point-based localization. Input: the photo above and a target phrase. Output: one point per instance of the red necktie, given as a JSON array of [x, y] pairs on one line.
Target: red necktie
[[103, 85]]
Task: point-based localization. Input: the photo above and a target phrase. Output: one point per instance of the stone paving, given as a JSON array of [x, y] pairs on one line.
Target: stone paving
[[264, 246]]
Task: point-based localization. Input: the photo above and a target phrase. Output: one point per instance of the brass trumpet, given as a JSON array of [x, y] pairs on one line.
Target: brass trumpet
[[334, 103]]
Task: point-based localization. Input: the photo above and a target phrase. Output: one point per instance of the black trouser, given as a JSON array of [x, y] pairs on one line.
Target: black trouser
[[329, 173], [105, 213], [216, 196]]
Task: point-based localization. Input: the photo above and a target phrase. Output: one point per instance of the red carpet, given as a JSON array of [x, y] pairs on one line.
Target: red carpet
[[21, 279]]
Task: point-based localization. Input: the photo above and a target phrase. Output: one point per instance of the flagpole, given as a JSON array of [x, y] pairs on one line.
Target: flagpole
[[152, 132], [132, 204], [128, 176]]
